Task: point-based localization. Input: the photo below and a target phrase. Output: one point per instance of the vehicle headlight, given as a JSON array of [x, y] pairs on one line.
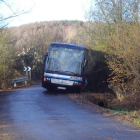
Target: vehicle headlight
[[47, 79], [75, 83]]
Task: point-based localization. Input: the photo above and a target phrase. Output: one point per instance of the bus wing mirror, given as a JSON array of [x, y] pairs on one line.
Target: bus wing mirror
[[45, 57], [86, 62]]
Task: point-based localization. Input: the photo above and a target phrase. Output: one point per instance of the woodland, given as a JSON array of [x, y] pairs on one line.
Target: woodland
[[111, 32]]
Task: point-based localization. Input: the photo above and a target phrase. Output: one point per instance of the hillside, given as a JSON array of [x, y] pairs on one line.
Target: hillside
[[43, 33]]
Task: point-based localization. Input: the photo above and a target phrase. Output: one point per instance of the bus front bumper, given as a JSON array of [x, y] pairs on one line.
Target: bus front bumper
[[68, 85]]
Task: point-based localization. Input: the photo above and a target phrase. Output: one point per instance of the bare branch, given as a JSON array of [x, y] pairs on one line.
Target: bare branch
[[13, 15], [8, 6]]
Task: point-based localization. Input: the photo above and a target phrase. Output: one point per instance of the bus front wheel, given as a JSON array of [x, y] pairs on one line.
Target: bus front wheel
[[78, 90], [51, 89]]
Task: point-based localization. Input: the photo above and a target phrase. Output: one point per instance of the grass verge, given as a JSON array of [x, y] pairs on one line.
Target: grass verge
[[109, 106]]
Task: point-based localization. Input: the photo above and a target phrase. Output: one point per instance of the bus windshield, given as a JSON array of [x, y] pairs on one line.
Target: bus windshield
[[65, 60]]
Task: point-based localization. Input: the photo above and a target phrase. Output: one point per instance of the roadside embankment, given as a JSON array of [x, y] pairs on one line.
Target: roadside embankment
[[107, 105]]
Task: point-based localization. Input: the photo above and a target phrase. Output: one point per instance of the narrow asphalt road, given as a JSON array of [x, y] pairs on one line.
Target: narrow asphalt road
[[34, 114]]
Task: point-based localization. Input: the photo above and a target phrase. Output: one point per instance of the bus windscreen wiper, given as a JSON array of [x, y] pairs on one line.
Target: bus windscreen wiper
[[56, 71], [53, 71], [69, 72]]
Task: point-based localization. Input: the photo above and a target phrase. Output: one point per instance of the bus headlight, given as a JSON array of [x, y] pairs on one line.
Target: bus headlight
[[47, 79], [77, 83]]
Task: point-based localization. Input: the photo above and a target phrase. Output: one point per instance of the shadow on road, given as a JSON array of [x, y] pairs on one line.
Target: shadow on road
[[58, 92]]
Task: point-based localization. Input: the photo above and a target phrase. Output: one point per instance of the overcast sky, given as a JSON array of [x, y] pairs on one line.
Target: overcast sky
[[48, 10]]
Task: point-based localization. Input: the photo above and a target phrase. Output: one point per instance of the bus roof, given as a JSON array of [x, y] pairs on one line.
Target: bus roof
[[67, 44]]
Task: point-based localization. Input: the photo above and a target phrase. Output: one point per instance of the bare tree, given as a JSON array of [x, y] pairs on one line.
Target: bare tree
[[117, 29], [115, 11], [5, 19]]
